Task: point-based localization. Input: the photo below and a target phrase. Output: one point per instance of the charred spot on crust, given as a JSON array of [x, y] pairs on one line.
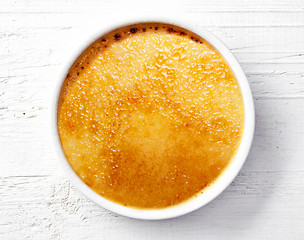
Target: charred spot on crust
[[182, 33], [103, 40], [68, 75], [117, 36], [133, 30], [156, 28], [143, 29], [171, 30], [78, 74], [82, 67]]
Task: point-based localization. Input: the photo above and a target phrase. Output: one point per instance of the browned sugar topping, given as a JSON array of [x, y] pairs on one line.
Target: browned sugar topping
[[150, 115]]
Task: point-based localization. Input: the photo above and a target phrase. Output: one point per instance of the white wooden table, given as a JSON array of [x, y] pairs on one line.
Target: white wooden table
[[266, 200]]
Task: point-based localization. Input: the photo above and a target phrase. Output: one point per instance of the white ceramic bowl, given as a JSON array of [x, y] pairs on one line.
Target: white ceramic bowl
[[225, 178]]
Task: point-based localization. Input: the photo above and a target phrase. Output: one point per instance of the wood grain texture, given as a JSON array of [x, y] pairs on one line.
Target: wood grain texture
[[265, 201]]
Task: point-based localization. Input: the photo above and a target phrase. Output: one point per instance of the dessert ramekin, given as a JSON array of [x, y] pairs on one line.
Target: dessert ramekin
[[208, 194]]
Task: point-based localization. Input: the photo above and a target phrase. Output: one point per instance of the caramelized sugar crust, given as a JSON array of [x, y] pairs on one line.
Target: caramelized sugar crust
[[150, 115]]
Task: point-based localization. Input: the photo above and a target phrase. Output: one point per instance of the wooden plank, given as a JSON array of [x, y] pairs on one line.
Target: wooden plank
[[121, 5], [208, 19], [255, 203]]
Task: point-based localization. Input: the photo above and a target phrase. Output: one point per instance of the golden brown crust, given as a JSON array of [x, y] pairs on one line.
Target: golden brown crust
[[150, 115]]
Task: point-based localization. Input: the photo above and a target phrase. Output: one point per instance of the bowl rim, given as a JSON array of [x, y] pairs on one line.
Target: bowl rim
[[226, 177]]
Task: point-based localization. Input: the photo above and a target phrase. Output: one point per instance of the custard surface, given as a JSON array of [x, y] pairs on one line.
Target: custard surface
[[149, 116]]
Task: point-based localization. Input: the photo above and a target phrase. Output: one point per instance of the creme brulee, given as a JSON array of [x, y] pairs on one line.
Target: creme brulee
[[150, 115]]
